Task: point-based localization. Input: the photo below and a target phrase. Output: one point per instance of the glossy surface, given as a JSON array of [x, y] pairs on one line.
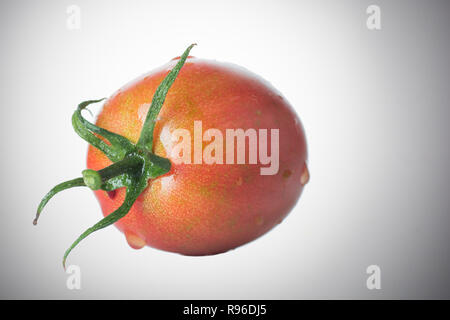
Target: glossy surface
[[200, 209]]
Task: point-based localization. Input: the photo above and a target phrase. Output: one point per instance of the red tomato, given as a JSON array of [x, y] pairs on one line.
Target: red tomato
[[203, 209]]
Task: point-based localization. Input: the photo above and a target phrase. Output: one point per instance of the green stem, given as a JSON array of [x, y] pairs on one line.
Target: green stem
[[95, 180]]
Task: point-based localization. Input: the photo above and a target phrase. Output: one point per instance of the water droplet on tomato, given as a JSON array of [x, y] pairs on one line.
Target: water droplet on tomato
[[287, 173], [134, 240], [304, 178], [259, 220]]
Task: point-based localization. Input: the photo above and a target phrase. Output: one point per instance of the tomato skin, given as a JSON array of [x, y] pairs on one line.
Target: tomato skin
[[201, 209]]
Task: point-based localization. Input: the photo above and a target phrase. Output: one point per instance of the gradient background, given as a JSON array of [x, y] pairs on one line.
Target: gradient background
[[374, 104]]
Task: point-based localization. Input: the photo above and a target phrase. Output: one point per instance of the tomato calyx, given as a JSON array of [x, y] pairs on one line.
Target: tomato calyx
[[133, 164]]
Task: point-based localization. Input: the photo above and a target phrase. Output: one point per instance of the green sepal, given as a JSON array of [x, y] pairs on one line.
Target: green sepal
[[158, 166], [78, 182], [133, 191], [119, 145], [146, 138]]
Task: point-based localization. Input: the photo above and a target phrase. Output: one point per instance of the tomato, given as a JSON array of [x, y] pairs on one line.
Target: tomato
[[205, 208], [201, 209]]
